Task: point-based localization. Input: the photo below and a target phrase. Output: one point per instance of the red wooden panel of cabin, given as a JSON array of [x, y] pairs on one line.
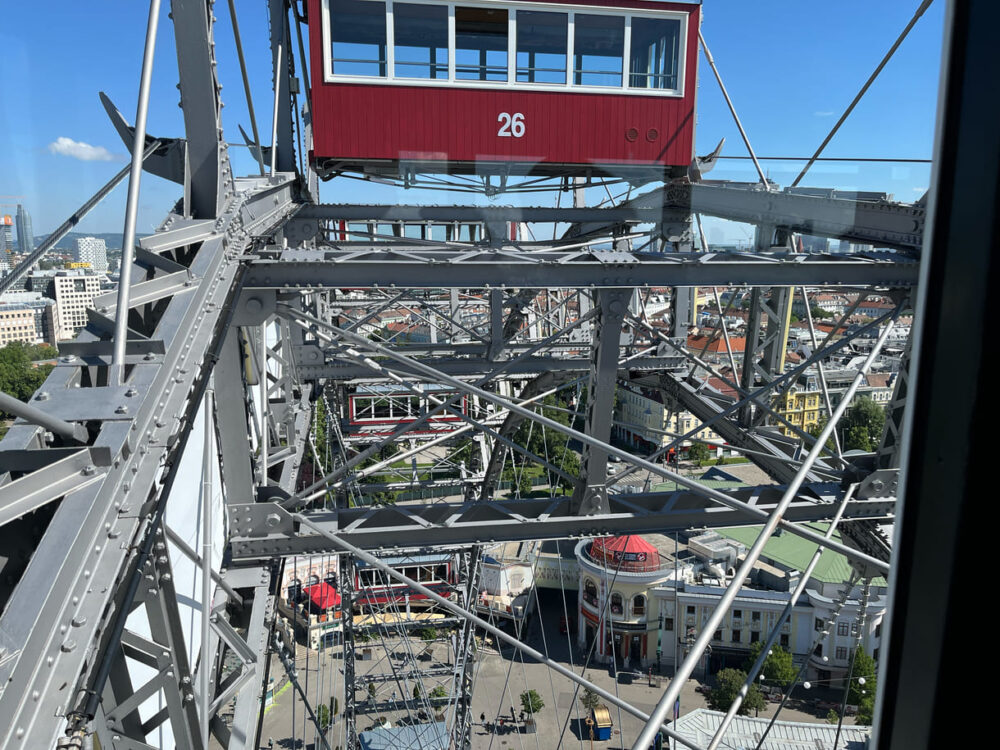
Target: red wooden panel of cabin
[[360, 122]]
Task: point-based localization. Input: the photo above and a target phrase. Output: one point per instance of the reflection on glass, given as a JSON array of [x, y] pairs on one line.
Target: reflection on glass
[[357, 38], [655, 54], [480, 44], [421, 40], [598, 50], [541, 46]]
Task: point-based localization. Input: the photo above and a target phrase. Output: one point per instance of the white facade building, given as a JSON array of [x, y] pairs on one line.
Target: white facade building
[[94, 251], [73, 292]]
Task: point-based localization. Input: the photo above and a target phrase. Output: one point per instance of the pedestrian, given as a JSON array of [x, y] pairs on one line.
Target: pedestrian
[[501, 725], [482, 718], [512, 716]]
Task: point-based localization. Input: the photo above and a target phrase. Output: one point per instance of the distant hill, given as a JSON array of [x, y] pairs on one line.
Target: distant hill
[[113, 239]]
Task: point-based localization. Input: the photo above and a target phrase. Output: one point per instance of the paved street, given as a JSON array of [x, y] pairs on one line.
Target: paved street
[[500, 679]]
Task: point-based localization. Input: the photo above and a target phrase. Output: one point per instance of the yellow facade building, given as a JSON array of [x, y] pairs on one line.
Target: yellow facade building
[[800, 407]]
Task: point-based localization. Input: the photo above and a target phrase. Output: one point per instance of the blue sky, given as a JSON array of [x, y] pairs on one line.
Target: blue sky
[[791, 66]]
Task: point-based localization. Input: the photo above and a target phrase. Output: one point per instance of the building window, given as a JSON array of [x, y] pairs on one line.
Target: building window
[[590, 593], [841, 653], [357, 35], [668, 623], [818, 651], [754, 636], [541, 46], [878, 630], [655, 53], [736, 636], [690, 609], [480, 44], [639, 605], [717, 636], [842, 628], [421, 41], [755, 616], [875, 654], [617, 604], [598, 50], [784, 640], [855, 628], [818, 625]]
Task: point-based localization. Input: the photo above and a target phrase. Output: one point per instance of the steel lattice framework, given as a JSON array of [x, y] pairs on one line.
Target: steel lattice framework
[[233, 326]]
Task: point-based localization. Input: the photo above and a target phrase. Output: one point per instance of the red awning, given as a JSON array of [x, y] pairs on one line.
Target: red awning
[[630, 552], [322, 595]]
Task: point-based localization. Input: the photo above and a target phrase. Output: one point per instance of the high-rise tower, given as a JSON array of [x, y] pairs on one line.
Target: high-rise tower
[[25, 236]]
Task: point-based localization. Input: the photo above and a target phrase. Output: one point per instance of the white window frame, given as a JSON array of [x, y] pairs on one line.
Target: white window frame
[[512, 83]]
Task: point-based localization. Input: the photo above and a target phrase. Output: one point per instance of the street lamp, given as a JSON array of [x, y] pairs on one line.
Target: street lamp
[[659, 650]]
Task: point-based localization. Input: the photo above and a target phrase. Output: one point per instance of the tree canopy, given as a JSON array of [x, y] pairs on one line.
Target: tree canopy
[[531, 702], [19, 377], [549, 444], [698, 452], [865, 667], [862, 425], [779, 667], [590, 699], [727, 686]]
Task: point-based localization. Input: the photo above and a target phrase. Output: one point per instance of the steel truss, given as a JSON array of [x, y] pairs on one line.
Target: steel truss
[[235, 292]]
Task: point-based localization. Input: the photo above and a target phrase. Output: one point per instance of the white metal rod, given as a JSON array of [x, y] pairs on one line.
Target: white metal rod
[[746, 567], [277, 90], [871, 79], [206, 566], [132, 204], [732, 109], [246, 85], [785, 613]]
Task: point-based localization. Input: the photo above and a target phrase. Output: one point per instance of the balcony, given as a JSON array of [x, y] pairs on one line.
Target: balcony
[[590, 599]]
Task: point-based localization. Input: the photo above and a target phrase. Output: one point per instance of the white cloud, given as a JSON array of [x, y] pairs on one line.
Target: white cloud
[[823, 114], [79, 150]]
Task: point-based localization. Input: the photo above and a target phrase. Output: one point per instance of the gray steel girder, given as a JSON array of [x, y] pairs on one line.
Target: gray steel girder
[[882, 223], [57, 612], [417, 267], [266, 530], [704, 409], [341, 370]]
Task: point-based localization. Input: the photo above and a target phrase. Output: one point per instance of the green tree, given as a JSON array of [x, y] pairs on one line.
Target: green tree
[[727, 686], [698, 452], [590, 699], [865, 710], [439, 691], [323, 716], [524, 485], [19, 377], [819, 313], [531, 702], [779, 667], [427, 634], [416, 692], [864, 668], [832, 716], [862, 425]]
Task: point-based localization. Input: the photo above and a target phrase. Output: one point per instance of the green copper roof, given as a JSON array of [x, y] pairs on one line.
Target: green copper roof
[[794, 552]]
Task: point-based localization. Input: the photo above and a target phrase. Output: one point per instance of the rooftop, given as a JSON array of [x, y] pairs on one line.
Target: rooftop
[[794, 552], [700, 725], [415, 737]]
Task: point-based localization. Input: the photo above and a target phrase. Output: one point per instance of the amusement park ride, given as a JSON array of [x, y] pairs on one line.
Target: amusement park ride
[[160, 472]]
